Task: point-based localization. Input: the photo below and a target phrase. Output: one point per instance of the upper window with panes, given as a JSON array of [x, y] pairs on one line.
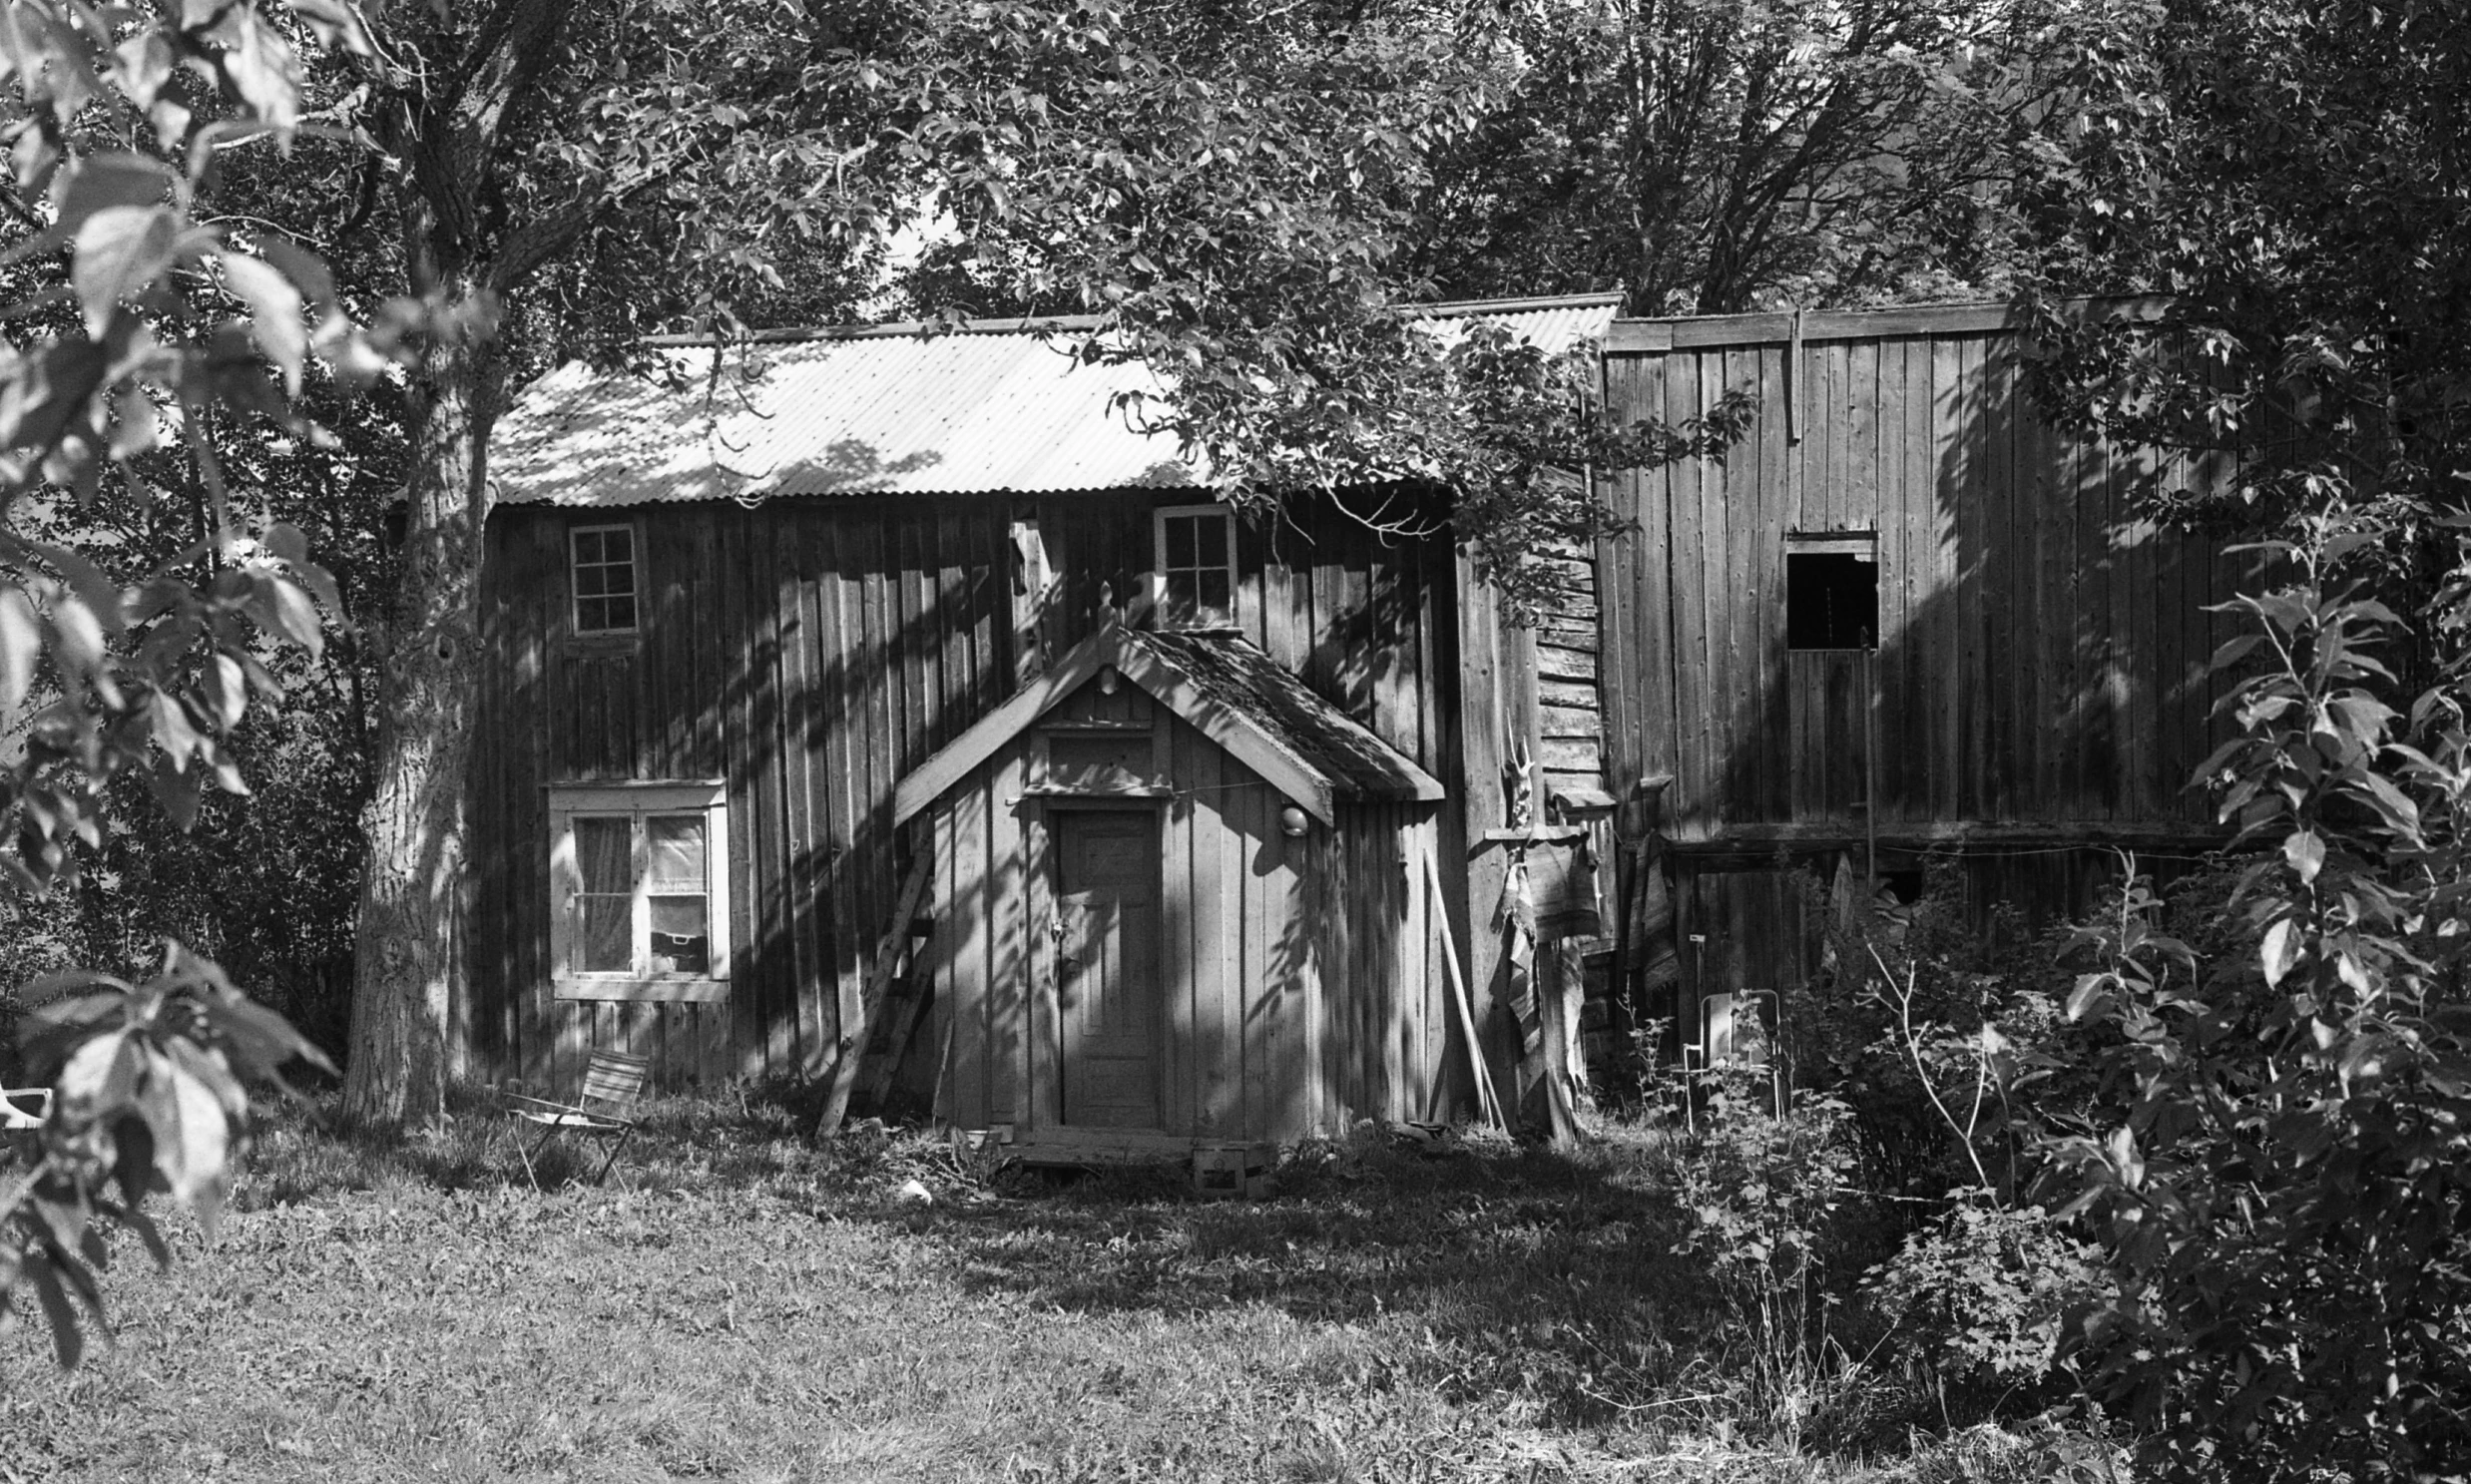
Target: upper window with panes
[[603, 562], [1194, 563]]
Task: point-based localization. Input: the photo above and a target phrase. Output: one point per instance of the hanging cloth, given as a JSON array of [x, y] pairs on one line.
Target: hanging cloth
[[1515, 918], [1560, 890]]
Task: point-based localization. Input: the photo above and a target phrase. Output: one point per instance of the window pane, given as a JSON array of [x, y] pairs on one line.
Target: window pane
[[587, 546], [1214, 597], [618, 545], [1180, 540], [608, 935], [1182, 591], [677, 853], [603, 855], [681, 939], [618, 612], [591, 582]]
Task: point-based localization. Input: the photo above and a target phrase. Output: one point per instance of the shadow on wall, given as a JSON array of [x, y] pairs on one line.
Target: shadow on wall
[[812, 651], [2040, 655]]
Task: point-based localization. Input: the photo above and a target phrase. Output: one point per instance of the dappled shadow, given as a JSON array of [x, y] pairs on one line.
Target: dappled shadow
[[812, 653], [1533, 1271], [2036, 691], [846, 466]]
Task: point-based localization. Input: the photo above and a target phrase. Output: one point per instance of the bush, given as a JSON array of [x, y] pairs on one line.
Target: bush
[[2280, 1155], [1985, 1290], [1761, 1191]]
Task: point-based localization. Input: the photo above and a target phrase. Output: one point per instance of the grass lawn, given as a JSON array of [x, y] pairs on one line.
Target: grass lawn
[[737, 1304]]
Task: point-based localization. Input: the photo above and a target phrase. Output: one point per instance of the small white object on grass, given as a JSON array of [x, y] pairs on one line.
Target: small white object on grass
[[912, 1193]]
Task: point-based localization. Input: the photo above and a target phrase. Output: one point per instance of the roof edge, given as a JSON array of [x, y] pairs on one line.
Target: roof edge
[[1066, 323], [1155, 671], [1955, 318]]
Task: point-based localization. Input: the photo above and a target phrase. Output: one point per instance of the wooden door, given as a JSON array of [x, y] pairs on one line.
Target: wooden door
[[1108, 994]]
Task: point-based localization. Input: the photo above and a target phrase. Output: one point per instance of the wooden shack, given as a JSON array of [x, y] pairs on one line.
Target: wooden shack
[[1180, 898], [770, 631], [1905, 618], [729, 608]]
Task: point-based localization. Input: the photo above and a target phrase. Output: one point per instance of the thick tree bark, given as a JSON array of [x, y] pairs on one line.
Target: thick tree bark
[[408, 947]]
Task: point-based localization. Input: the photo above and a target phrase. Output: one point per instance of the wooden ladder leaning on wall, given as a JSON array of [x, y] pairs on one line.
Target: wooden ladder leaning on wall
[[886, 980]]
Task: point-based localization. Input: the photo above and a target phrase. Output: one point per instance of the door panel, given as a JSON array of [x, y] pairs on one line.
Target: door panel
[[1107, 965]]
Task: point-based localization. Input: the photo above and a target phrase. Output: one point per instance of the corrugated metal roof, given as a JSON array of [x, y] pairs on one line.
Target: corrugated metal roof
[[998, 406]]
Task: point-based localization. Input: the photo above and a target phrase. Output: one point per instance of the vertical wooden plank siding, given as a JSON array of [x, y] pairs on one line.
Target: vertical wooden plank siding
[[2040, 651], [969, 922], [1206, 880], [1010, 974]]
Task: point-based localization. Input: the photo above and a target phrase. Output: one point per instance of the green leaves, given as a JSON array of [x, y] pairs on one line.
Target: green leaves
[[149, 1096], [276, 314], [2283, 1182]]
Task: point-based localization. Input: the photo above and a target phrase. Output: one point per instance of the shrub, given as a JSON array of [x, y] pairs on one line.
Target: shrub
[[2282, 1162], [1985, 1289], [1761, 1190]]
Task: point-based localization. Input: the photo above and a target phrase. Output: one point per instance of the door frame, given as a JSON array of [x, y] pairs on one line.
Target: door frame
[[1045, 1103]]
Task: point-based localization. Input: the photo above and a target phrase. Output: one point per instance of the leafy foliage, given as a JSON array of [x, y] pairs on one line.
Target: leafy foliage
[[1762, 1186], [2287, 174], [147, 679], [1718, 155], [1986, 1291], [2282, 1181], [147, 1081]]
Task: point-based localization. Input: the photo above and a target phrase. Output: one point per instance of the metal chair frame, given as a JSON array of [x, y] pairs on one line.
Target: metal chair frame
[[612, 1080]]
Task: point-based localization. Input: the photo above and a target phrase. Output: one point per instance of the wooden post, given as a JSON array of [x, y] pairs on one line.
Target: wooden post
[[1031, 577], [1488, 1101], [888, 953]]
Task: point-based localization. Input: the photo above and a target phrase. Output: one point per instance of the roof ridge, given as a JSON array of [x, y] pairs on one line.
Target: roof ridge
[[1014, 324]]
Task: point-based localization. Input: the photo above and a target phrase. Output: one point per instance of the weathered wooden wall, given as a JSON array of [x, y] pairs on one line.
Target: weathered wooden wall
[[811, 653], [2042, 649], [2037, 689]]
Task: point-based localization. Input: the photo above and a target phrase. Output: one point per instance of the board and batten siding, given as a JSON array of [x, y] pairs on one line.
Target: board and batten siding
[[2042, 647], [1298, 993], [811, 652]]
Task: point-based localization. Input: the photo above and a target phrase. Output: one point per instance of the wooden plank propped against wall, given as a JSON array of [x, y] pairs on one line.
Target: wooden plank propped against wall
[[890, 950]]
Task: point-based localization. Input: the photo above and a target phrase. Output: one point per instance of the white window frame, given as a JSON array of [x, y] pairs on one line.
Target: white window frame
[[635, 577], [1158, 567], [636, 802]]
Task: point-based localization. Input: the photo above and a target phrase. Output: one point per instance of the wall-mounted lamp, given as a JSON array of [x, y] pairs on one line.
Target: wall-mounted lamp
[[1292, 823], [1107, 679]]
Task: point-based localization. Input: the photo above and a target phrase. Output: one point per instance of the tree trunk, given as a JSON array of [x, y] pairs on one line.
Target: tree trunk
[[410, 942]]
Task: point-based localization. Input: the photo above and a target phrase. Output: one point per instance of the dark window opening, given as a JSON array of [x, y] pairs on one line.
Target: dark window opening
[[1831, 600]]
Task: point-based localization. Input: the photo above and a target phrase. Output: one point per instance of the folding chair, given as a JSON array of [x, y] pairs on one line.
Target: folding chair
[[23, 1111], [23, 1108], [1732, 1034], [613, 1081]]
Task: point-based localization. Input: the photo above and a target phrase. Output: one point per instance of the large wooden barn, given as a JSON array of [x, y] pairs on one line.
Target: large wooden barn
[[1905, 616], [892, 667]]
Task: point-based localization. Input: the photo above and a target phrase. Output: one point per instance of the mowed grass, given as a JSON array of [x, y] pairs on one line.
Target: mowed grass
[[740, 1304]]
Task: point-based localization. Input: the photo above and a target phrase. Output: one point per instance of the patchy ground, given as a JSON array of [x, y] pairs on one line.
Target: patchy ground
[[738, 1306]]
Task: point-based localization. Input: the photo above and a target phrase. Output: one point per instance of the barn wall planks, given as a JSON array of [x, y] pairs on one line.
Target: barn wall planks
[[812, 653], [2040, 651]]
